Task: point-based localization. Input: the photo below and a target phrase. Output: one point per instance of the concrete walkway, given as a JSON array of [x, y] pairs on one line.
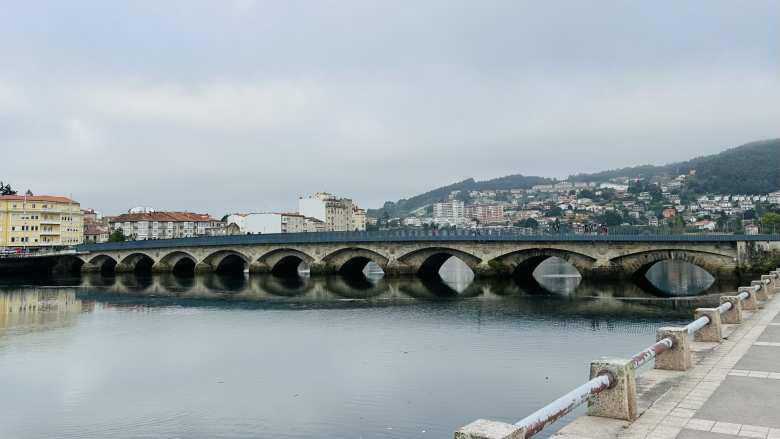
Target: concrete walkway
[[732, 392]]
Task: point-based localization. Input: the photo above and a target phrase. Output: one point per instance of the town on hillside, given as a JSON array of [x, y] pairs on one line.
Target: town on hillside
[[626, 204], [636, 205]]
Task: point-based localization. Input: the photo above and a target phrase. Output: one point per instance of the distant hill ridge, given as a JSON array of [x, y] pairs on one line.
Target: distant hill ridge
[[753, 168]]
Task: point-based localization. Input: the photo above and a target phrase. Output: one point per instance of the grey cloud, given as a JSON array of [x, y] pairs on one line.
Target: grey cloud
[[222, 106]]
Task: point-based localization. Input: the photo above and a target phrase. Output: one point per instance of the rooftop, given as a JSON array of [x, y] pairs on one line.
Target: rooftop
[[43, 198], [162, 217]]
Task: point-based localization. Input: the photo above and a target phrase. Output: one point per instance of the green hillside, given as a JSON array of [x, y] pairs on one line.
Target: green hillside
[[404, 206], [753, 168]]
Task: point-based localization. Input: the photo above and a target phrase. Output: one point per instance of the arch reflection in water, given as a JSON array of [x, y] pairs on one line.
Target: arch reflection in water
[[554, 275], [676, 278], [335, 291], [456, 281], [455, 274]]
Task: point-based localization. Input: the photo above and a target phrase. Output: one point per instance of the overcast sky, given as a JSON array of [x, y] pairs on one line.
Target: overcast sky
[[219, 106]]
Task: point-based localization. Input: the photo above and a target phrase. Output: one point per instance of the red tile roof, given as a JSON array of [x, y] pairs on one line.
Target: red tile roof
[[45, 198], [162, 217], [94, 229]]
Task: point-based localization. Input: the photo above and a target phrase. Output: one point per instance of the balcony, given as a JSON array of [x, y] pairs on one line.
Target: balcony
[[54, 222]]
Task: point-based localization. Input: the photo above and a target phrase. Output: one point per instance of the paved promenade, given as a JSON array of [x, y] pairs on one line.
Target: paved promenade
[[732, 392]]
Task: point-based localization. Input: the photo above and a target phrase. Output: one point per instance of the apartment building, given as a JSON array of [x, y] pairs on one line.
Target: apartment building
[[337, 214], [486, 213], [166, 225], [358, 218], [40, 221], [449, 213]]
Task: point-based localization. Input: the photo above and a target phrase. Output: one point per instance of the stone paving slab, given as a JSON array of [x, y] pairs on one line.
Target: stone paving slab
[[697, 434], [745, 400], [771, 334], [732, 392], [763, 358]]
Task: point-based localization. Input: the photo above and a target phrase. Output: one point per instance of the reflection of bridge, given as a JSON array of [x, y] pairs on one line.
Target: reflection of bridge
[[339, 291], [605, 256]]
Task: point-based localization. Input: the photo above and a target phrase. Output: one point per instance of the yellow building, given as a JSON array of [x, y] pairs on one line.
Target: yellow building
[[40, 221]]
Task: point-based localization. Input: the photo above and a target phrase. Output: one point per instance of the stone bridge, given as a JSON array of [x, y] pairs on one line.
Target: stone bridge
[[597, 256]]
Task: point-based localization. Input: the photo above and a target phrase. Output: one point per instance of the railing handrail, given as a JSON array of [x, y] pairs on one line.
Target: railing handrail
[[557, 409], [536, 421]]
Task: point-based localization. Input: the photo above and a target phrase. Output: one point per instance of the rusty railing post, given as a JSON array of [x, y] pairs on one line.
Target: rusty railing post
[[733, 315], [710, 332], [619, 400], [679, 356], [749, 304]]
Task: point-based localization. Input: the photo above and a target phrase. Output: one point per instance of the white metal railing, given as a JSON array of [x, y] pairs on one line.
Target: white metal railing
[[538, 420]]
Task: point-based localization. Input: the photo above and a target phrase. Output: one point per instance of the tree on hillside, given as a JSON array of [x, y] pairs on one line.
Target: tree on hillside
[[678, 224], [117, 236], [607, 194], [464, 196], [611, 218], [5, 189], [528, 223], [554, 212], [770, 222]]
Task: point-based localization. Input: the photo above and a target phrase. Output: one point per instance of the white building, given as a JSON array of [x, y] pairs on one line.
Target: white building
[[239, 220], [337, 214], [141, 209], [615, 187], [450, 213], [274, 222]]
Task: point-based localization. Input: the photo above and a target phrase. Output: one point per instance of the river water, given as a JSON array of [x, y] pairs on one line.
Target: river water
[[262, 357]]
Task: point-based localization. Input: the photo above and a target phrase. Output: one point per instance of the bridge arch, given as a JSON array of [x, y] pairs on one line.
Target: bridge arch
[[635, 265], [135, 262], [284, 262], [179, 262], [103, 263], [352, 261], [523, 263], [227, 261], [428, 261], [70, 264]]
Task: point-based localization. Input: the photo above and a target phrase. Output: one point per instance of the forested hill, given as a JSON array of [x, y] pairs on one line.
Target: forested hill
[[753, 168], [404, 206]]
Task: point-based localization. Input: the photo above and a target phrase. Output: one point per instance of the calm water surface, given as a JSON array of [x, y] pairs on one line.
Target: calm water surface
[[259, 356]]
